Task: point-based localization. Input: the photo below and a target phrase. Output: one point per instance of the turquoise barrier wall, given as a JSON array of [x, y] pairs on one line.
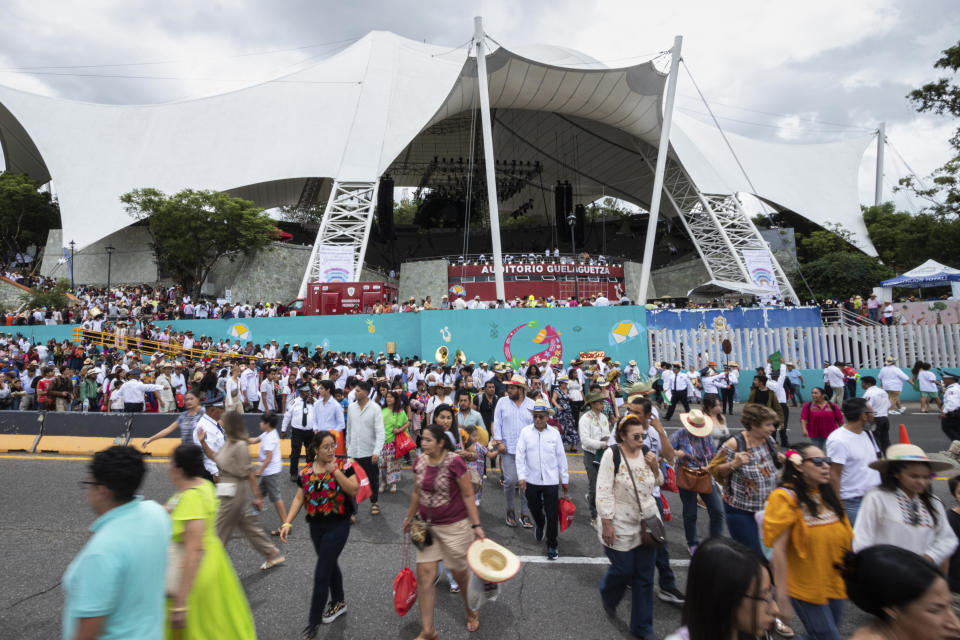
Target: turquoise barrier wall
[[814, 378], [492, 335], [539, 334]]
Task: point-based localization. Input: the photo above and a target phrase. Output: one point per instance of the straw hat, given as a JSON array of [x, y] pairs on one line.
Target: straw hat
[[639, 389], [697, 423], [541, 406], [909, 453], [517, 380], [889, 360], [632, 363], [593, 396], [492, 562]]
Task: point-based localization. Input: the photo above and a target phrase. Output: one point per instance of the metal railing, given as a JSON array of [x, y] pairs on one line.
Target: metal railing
[[843, 317], [524, 258], [168, 349]]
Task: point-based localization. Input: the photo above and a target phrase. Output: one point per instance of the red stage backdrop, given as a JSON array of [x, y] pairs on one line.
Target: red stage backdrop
[[561, 281]]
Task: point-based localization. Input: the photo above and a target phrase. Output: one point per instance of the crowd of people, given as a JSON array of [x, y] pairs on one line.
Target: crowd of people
[[825, 508]]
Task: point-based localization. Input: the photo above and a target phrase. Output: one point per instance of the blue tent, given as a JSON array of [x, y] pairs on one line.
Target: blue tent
[[930, 274]]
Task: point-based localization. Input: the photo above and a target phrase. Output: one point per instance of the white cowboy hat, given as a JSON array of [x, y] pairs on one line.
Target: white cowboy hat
[[909, 453], [492, 562], [697, 423]]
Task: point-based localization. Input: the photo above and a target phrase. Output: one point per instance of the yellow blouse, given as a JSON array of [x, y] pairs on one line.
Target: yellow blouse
[[816, 546]]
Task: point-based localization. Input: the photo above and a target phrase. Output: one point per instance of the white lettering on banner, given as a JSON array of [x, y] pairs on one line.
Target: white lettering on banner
[[541, 269], [336, 263]]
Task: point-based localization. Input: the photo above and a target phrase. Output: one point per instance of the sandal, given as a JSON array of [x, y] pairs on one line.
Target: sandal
[[374, 510], [473, 621], [782, 629], [422, 636], [269, 564]]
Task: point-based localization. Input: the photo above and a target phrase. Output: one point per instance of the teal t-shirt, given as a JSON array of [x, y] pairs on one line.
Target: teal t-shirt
[[121, 573]]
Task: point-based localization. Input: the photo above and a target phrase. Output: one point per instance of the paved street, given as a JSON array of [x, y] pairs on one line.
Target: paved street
[[45, 522]]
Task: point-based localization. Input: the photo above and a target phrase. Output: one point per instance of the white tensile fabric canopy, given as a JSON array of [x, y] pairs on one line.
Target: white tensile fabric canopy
[[389, 104]]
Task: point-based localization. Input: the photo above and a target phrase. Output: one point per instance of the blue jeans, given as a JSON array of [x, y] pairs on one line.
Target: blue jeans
[[666, 579], [742, 526], [820, 443], [714, 510], [635, 568], [821, 621], [852, 507]]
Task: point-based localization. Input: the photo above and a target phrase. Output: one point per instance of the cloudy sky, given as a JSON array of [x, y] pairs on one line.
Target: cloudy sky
[[812, 71]]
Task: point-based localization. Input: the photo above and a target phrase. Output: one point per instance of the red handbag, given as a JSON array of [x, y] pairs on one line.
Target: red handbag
[[363, 489], [670, 480], [567, 511], [405, 584], [403, 444]]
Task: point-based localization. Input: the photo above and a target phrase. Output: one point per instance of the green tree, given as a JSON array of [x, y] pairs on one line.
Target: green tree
[[842, 275], [53, 298], [192, 230], [941, 97], [307, 216], [26, 215], [820, 243], [404, 211]]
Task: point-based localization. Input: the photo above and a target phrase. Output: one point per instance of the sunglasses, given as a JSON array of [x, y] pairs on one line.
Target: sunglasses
[[637, 437], [818, 461]]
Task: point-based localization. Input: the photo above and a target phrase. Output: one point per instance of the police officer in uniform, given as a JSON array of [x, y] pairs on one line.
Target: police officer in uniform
[[950, 413]]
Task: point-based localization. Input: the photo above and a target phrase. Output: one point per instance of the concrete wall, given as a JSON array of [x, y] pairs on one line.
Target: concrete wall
[[132, 262], [677, 279], [424, 278], [11, 295], [631, 282], [270, 275]]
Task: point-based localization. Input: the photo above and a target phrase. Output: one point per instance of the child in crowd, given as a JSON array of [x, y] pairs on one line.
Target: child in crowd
[[270, 464]]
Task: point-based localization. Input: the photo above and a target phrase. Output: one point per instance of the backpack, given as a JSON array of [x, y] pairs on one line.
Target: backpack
[[721, 458]]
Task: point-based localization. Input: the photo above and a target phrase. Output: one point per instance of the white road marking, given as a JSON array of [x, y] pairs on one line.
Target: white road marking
[[586, 560]]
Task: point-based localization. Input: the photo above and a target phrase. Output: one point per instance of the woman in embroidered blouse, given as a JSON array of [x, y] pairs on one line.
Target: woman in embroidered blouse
[[443, 497], [694, 446], [806, 526], [903, 511], [750, 473], [621, 509], [394, 421], [326, 489]]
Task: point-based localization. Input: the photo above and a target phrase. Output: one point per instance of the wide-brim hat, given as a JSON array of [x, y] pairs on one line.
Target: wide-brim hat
[[639, 389], [492, 562], [541, 406], [697, 423], [632, 363], [518, 381], [909, 453], [593, 396], [889, 360]]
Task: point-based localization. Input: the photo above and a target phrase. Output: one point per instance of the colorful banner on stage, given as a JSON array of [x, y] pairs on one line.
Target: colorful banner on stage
[[737, 318], [760, 267], [336, 263]]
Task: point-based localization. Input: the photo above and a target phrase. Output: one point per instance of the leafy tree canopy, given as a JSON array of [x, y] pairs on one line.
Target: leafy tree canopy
[[941, 97], [842, 275], [905, 240], [191, 230], [26, 215], [53, 298]]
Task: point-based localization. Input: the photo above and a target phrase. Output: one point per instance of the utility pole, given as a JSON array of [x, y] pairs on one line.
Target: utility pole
[[73, 246], [487, 128], [110, 249], [659, 171], [878, 183]]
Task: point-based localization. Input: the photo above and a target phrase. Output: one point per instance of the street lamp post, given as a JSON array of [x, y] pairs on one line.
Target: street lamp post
[[73, 246], [110, 249], [572, 220]]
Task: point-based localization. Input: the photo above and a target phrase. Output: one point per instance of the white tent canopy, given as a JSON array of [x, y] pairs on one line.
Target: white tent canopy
[[389, 104]]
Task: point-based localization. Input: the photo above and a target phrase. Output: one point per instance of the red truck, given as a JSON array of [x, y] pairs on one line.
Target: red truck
[[338, 298]]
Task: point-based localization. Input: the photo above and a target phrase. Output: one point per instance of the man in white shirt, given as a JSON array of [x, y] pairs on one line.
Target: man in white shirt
[[512, 413], [459, 303], [250, 386], [833, 380], [891, 378], [775, 383], [601, 301], [950, 411], [541, 467], [880, 403], [365, 437], [300, 416], [851, 449], [132, 392], [268, 397], [677, 383], [214, 436], [327, 412], [929, 389]]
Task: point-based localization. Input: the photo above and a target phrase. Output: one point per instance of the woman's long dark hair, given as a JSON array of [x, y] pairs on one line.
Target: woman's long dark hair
[[793, 479], [882, 577], [440, 436], [722, 573], [888, 482]]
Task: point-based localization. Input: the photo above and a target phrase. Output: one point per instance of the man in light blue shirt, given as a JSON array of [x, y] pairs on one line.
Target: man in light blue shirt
[[115, 587], [327, 412], [796, 383], [512, 413]]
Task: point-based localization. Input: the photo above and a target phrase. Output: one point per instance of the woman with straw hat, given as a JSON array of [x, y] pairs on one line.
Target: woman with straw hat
[[560, 399], [903, 511], [594, 433], [694, 449]]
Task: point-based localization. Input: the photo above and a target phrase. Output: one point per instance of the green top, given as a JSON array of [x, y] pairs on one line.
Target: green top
[[88, 390], [392, 423]]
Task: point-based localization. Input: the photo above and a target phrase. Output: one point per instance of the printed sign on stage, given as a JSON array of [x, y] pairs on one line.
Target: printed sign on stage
[[336, 263]]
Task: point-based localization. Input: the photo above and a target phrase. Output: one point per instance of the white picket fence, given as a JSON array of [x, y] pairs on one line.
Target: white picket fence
[[810, 347]]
